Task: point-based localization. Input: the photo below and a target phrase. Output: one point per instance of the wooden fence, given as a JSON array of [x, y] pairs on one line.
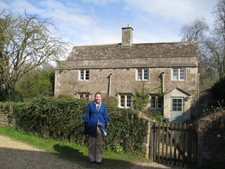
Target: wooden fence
[[173, 144]]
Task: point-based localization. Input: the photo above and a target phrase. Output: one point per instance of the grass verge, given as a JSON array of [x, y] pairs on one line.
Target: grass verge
[[69, 151]]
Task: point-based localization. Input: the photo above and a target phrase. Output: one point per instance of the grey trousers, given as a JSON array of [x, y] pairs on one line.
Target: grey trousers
[[96, 147]]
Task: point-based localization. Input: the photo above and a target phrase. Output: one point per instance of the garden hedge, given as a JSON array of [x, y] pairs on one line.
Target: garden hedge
[[62, 119]]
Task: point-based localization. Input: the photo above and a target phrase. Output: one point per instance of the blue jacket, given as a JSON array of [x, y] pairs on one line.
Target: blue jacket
[[93, 116]]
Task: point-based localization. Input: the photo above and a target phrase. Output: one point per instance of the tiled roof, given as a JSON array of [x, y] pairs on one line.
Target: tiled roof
[[138, 55]]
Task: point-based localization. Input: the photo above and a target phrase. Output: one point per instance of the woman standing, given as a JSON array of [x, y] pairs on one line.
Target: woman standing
[[96, 116]]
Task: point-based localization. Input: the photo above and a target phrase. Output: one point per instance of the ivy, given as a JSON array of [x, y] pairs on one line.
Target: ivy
[[140, 99]]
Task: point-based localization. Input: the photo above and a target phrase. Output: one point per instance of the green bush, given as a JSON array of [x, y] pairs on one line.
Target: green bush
[[36, 83], [65, 96], [55, 118], [125, 130], [112, 102], [62, 119], [140, 99], [157, 116]]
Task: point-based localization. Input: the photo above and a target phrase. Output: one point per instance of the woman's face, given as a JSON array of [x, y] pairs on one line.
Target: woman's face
[[98, 98]]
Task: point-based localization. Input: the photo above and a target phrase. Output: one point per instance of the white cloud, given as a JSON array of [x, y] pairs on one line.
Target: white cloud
[[82, 23], [144, 36], [180, 10], [67, 17]]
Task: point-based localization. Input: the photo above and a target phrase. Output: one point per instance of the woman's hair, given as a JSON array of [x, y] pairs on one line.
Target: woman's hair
[[98, 93]]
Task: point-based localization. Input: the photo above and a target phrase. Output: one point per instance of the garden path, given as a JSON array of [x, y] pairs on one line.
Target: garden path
[[18, 155]]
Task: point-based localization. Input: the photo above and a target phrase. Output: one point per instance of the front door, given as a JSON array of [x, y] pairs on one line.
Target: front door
[[177, 109]]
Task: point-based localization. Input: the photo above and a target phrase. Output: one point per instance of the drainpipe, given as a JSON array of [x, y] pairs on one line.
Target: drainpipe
[[198, 97], [109, 84], [163, 87], [163, 90]]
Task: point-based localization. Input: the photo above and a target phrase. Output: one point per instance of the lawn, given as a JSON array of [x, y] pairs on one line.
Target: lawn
[[71, 151]]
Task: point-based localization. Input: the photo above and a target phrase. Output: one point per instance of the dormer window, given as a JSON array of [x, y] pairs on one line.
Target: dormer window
[[84, 74]]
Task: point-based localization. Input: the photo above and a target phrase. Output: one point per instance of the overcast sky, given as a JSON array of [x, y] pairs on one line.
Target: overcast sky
[[87, 22]]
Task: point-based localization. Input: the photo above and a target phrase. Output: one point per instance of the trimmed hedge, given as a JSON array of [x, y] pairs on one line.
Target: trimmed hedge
[[62, 119], [52, 118]]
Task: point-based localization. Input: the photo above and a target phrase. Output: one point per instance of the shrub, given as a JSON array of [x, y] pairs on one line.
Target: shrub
[[65, 96], [62, 119], [157, 116], [126, 129], [140, 99], [55, 118], [36, 83], [111, 102]]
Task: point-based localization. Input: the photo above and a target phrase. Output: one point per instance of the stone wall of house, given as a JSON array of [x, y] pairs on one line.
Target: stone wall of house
[[211, 140], [122, 81]]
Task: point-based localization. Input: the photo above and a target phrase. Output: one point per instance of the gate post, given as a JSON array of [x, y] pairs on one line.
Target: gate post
[[152, 140], [146, 146]]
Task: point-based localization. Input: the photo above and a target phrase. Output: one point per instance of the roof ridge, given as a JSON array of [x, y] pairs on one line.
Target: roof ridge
[[98, 45], [147, 43]]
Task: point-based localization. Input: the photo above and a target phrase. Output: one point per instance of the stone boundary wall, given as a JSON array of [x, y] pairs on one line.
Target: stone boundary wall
[[211, 140], [6, 116]]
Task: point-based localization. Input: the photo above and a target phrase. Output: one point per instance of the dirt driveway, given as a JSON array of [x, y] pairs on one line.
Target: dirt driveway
[[18, 155]]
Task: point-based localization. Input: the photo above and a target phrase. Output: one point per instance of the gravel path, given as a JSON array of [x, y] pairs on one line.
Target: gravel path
[[18, 155]]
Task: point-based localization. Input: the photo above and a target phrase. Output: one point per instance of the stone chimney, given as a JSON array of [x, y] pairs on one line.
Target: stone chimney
[[127, 36]]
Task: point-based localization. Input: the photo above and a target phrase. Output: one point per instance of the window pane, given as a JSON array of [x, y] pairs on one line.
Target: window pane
[[182, 74], [174, 104], [139, 74], [177, 104], [145, 74], [128, 101], [87, 75], [81, 74], [175, 74], [159, 103], [122, 101], [153, 102]]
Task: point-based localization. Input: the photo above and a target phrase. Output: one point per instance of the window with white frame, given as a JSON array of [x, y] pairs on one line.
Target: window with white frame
[[156, 102], [125, 101], [178, 74], [142, 74], [84, 74]]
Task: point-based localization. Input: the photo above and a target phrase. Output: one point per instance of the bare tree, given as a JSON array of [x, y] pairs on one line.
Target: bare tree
[[194, 31], [216, 43], [25, 43], [211, 44], [198, 31]]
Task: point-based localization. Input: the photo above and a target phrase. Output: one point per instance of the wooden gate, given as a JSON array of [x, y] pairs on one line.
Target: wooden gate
[[173, 144]]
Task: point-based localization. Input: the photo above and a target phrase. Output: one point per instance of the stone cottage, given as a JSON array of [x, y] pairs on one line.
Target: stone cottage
[[120, 69]]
